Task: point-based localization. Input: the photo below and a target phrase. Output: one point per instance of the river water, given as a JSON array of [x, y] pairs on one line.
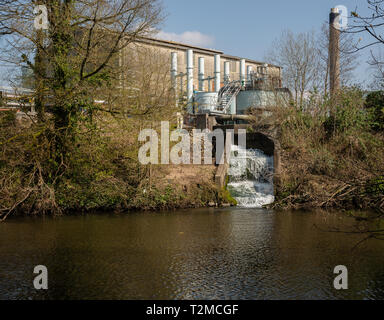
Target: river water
[[189, 254]]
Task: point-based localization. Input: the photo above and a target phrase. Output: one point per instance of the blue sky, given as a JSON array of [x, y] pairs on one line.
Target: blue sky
[[247, 28]]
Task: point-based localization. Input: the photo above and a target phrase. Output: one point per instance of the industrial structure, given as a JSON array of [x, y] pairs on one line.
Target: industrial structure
[[334, 50], [211, 82], [206, 81]]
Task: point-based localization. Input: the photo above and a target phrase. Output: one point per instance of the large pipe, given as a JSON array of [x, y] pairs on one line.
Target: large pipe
[[234, 117], [201, 74], [217, 73], [242, 70], [334, 51], [189, 79], [226, 71], [249, 72], [174, 69]]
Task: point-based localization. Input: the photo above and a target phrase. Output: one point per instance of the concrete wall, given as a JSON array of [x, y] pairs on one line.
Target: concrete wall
[[270, 146]]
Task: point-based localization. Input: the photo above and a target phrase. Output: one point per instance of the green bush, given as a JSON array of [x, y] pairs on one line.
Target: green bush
[[348, 113], [375, 104]]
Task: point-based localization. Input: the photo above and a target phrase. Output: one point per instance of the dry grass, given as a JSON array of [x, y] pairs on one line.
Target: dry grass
[[326, 163]]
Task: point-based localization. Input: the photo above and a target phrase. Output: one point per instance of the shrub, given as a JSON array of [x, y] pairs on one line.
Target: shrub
[[375, 104]]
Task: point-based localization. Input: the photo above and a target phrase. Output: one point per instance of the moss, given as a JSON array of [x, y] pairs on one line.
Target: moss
[[225, 196]]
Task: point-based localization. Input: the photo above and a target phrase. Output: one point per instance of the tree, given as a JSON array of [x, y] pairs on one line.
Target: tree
[[373, 25], [77, 57], [298, 55], [77, 73]]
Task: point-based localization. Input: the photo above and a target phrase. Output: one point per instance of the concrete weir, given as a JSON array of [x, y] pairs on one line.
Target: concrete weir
[[250, 172], [254, 140]]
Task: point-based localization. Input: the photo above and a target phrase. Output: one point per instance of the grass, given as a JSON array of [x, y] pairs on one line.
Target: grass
[[332, 155]]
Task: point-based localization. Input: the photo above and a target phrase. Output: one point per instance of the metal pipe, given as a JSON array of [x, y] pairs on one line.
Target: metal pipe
[[233, 117], [242, 70], [174, 69], [201, 74], [189, 80], [217, 73], [174, 76], [249, 73], [226, 71], [265, 68], [181, 76]]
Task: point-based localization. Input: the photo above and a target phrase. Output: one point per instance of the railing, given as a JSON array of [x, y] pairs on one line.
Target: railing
[[227, 94]]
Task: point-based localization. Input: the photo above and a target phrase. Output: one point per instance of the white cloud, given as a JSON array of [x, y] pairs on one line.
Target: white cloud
[[195, 38]]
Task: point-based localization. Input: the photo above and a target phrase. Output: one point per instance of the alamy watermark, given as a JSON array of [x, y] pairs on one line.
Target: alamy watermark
[[201, 146], [341, 21], [40, 282], [41, 19], [341, 281]]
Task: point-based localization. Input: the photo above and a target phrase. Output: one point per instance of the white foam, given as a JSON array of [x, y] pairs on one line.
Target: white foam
[[250, 177]]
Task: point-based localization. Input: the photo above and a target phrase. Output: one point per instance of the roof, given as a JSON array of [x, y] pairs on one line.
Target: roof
[[177, 45], [183, 46]]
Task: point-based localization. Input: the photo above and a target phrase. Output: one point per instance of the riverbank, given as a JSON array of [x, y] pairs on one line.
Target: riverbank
[[100, 171], [331, 157]]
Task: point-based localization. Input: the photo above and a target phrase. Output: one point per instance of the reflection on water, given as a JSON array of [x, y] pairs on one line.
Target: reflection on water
[[191, 254]]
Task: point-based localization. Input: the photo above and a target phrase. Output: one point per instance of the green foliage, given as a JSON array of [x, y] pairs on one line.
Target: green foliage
[[376, 186], [348, 113], [336, 151], [226, 197], [375, 104]]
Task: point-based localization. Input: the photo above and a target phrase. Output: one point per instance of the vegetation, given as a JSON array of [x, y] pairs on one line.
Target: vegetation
[[332, 145], [92, 98], [332, 154]]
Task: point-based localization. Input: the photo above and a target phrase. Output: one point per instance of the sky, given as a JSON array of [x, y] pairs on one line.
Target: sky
[[247, 28]]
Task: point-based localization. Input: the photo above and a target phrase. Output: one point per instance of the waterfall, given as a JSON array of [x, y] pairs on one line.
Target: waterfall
[[250, 177]]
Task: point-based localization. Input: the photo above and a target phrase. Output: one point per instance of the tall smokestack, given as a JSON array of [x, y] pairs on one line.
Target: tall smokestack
[[334, 50]]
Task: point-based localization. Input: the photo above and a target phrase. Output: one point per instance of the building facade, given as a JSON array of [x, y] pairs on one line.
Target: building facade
[[228, 68]]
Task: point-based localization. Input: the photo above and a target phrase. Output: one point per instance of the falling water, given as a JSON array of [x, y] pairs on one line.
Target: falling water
[[250, 177]]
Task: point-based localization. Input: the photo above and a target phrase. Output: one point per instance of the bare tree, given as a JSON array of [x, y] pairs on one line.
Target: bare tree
[[146, 90], [78, 56], [377, 65], [298, 55], [373, 25], [76, 64], [79, 52]]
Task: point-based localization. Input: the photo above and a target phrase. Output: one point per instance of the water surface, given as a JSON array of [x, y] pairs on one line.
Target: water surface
[[189, 254]]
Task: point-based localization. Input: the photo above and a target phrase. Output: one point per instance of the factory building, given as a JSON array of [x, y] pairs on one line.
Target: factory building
[[212, 81], [204, 80], [231, 67]]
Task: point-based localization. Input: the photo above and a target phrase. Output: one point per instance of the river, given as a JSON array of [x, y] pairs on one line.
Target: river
[[189, 254]]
